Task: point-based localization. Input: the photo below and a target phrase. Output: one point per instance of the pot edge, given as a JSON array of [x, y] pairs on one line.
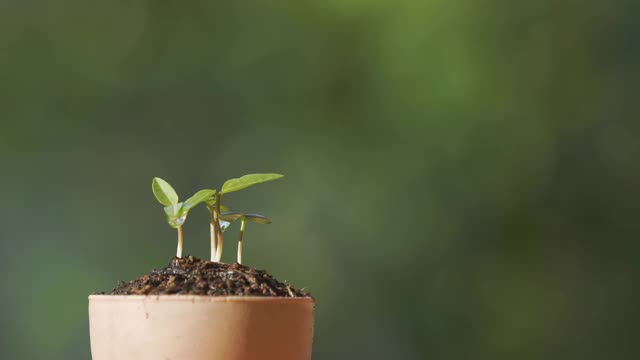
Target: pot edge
[[202, 298]]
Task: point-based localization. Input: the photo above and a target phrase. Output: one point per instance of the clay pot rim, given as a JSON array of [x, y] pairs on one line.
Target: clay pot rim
[[203, 298]]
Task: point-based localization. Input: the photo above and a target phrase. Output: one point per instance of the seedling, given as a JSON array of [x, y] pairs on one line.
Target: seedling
[[233, 216], [229, 186], [177, 211], [213, 224]]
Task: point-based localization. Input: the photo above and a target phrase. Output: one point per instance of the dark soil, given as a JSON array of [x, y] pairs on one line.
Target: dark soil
[[192, 276]]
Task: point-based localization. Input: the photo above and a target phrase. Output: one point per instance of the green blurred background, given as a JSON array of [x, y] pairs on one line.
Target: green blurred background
[[461, 176]]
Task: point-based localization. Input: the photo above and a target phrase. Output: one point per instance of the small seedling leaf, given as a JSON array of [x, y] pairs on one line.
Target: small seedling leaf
[[258, 219], [222, 207], [165, 194], [176, 215], [212, 202], [198, 198], [246, 181], [224, 225], [230, 216]]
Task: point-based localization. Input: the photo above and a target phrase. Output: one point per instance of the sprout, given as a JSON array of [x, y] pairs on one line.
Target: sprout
[[232, 185], [213, 224], [177, 211], [233, 216]]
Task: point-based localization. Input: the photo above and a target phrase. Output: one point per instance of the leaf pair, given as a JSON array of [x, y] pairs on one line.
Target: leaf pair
[[254, 218], [177, 211]]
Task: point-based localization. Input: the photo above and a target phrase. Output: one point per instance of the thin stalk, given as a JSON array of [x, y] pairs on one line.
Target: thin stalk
[[242, 224], [216, 226], [180, 242], [218, 229], [212, 231]]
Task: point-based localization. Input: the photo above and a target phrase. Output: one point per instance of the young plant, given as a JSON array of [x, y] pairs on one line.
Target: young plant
[[175, 211], [215, 207], [233, 216], [213, 225]]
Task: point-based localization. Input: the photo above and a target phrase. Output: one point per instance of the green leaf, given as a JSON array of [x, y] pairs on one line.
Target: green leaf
[[176, 215], [254, 218], [258, 219], [231, 216], [164, 192], [246, 181], [198, 198]]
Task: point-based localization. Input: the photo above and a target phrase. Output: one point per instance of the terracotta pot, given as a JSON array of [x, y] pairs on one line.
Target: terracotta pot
[[193, 327]]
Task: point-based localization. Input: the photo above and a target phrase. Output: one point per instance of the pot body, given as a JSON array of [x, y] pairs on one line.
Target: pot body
[[193, 327]]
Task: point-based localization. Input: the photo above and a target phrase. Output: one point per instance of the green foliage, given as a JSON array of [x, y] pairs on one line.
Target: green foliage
[[165, 194], [198, 198], [176, 212], [176, 215], [230, 216], [245, 181], [258, 219], [254, 218]]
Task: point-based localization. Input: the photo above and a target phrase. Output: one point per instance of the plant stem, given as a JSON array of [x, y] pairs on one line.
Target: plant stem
[[216, 226], [218, 229], [242, 224], [212, 231], [180, 242]]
